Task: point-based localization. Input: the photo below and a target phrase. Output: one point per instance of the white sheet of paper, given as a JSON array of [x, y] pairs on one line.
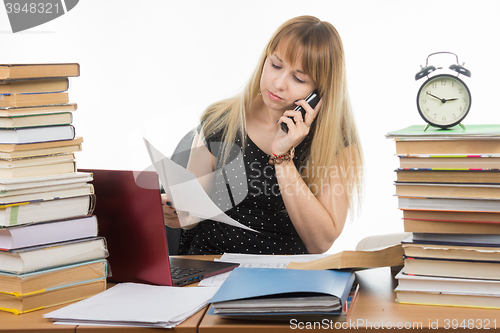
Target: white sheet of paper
[[136, 304], [256, 261], [186, 192], [79, 323]]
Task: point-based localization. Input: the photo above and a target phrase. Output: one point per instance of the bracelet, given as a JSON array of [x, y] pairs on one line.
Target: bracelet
[[278, 159], [284, 188]]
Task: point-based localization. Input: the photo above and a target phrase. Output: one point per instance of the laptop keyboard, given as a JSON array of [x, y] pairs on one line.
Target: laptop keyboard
[[180, 272]]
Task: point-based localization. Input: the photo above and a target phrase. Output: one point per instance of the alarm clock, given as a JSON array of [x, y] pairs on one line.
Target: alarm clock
[[443, 100]]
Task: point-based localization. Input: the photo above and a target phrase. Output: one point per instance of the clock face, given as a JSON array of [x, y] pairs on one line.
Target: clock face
[[443, 100]]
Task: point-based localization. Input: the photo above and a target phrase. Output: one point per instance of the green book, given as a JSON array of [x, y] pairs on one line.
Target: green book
[[470, 131]]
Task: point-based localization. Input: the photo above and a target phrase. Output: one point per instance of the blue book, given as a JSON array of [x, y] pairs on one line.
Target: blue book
[[271, 291], [470, 131]]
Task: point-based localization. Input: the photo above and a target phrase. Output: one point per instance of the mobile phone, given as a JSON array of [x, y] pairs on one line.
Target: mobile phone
[[312, 100]]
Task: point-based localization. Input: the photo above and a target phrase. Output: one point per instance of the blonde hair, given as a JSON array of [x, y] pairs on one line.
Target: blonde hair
[[320, 48]]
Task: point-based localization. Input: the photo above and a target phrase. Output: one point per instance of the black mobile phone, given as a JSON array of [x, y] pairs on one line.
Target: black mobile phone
[[312, 100]]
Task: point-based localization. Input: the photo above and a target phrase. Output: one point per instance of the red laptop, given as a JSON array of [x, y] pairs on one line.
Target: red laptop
[[130, 217]]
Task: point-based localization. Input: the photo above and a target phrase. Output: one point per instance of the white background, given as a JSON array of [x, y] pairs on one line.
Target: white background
[[152, 66]]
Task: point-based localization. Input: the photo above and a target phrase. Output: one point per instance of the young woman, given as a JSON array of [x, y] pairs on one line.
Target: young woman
[[295, 188]]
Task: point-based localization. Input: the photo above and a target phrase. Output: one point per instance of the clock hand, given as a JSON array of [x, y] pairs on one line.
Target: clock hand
[[441, 99], [451, 99]]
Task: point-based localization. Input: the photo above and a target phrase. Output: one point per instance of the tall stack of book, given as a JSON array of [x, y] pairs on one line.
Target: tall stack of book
[[49, 250], [448, 187]]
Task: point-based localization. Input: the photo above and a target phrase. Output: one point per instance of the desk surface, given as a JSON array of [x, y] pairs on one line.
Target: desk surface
[[374, 309], [31, 322]]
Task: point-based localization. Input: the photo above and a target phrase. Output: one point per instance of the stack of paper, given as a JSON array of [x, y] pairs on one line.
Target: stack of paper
[[139, 305]]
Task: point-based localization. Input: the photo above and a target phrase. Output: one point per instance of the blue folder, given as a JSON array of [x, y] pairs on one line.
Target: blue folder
[[245, 283]]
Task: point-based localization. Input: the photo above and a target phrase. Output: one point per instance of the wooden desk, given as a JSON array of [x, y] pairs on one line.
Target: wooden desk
[[31, 322], [375, 309]]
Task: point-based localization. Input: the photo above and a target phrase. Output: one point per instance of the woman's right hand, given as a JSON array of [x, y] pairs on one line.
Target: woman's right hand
[[169, 213]]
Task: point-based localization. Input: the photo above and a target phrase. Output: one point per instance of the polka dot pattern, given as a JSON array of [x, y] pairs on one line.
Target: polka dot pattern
[[247, 190]]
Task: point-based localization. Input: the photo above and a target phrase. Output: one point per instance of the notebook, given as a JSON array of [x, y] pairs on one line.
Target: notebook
[[130, 216]]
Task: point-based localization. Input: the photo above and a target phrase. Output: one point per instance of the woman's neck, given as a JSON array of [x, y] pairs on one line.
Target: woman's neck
[[261, 114]]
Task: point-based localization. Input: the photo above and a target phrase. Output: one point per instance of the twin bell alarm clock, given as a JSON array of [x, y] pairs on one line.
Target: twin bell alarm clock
[[443, 100]]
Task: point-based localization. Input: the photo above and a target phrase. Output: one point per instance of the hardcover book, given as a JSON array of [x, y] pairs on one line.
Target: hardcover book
[[47, 210], [441, 267], [62, 118], [58, 296], [48, 232], [36, 134], [35, 86], [48, 279], [18, 100], [29, 71], [31, 259]]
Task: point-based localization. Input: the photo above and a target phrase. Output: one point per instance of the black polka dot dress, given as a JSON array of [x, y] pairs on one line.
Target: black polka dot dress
[[246, 189]]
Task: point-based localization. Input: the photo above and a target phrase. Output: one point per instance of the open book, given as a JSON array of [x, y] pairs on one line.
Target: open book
[[373, 251]]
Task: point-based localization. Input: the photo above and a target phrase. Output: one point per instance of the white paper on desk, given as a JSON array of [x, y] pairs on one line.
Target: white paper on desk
[[135, 304], [257, 261], [186, 191], [268, 260]]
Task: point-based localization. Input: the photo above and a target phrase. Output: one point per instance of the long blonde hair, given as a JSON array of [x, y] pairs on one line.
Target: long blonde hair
[[319, 46]]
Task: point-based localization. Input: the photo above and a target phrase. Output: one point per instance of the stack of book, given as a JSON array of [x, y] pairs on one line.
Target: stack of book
[[448, 187], [50, 253]]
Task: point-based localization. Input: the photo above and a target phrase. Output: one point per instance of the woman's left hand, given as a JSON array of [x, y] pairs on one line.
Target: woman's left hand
[[298, 128]]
